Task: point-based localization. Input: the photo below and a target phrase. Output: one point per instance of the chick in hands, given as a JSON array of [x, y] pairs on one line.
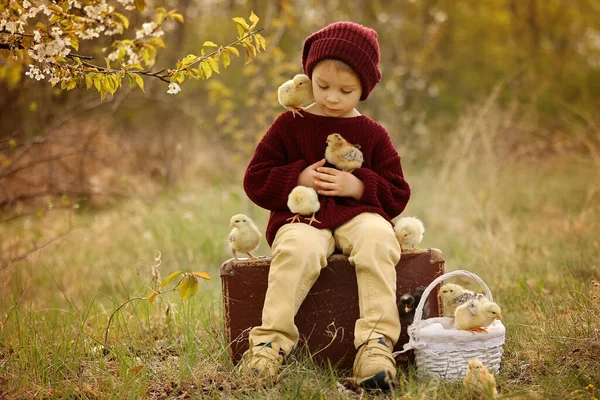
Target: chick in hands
[[343, 155], [294, 93], [303, 201], [454, 295], [244, 237], [475, 315], [409, 231], [480, 380]]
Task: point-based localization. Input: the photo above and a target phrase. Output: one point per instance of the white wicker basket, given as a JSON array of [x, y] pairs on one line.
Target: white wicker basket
[[443, 351]]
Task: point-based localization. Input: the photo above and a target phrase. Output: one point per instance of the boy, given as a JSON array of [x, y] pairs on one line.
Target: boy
[[356, 208]]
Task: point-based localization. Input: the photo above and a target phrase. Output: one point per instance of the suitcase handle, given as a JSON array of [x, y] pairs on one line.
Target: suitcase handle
[[432, 285]]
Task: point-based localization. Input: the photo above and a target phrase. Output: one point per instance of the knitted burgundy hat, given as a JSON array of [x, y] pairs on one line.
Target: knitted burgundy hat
[[350, 42]]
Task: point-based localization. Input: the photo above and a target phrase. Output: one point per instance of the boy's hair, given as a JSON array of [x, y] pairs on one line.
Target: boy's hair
[[339, 65], [349, 42]]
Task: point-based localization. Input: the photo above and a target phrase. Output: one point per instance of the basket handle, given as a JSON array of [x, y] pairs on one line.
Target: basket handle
[[432, 285]]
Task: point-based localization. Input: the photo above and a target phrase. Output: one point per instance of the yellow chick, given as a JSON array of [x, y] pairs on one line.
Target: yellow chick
[[409, 231], [454, 295], [475, 315], [244, 237], [480, 380], [343, 155], [296, 92], [303, 201]]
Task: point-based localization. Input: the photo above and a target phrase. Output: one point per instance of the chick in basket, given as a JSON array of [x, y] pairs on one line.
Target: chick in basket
[[454, 295], [476, 315]]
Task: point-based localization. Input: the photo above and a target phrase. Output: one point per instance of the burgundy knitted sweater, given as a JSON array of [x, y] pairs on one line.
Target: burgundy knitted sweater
[[292, 144]]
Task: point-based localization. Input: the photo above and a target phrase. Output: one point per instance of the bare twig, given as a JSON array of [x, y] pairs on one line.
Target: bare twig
[[6, 263], [42, 161]]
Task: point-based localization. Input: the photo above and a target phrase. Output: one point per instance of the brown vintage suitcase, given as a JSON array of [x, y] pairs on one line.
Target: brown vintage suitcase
[[327, 316]]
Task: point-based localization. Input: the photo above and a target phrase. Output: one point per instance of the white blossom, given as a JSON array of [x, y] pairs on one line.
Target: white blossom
[[173, 88], [26, 4], [147, 29], [95, 12], [128, 4], [34, 73]]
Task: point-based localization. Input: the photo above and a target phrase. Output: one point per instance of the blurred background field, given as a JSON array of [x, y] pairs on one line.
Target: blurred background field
[[493, 106]]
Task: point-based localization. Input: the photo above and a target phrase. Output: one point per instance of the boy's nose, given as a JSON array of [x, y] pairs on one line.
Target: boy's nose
[[332, 99]]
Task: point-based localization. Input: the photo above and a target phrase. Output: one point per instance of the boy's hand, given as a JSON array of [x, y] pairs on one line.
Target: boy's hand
[[308, 175], [333, 182]]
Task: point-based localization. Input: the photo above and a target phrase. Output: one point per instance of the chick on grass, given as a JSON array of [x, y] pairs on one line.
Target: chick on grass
[[296, 92], [341, 154], [244, 237], [303, 201], [479, 380], [476, 315], [409, 231], [454, 295]]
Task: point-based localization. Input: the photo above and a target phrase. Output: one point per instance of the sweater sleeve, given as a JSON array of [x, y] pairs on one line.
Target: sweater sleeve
[[384, 182], [269, 177]]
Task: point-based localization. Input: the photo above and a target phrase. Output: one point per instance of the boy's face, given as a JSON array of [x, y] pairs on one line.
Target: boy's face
[[336, 92]]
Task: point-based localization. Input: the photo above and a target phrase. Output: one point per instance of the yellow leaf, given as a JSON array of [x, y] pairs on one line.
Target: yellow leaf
[[240, 30], [98, 82], [254, 19], [213, 64], [152, 295], [202, 274], [187, 60], [226, 60], [261, 42], [208, 43], [176, 16], [74, 42], [250, 53], [138, 80], [188, 287], [157, 42], [198, 73], [88, 81], [169, 278], [241, 21], [123, 19], [206, 69], [140, 5], [232, 51]]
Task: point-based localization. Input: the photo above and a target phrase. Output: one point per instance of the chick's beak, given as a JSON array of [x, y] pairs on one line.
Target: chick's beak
[[499, 316]]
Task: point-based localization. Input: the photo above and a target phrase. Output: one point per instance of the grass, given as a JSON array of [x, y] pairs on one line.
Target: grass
[[529, 229]]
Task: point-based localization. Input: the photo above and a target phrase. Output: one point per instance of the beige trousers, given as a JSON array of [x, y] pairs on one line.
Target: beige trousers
[[300, 252]]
